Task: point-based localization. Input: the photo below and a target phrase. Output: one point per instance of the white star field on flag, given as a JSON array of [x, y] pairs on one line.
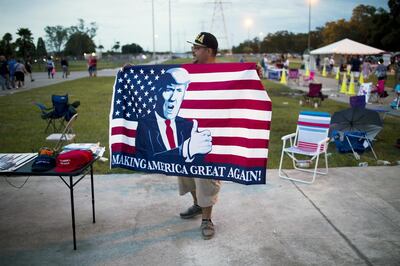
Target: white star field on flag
[[135, 92]]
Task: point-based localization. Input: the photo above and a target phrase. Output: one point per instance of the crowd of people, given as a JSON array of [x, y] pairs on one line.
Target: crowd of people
[[13, 72]]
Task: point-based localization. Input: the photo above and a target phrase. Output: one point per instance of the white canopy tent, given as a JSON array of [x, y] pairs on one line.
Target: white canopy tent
[[347, 47]]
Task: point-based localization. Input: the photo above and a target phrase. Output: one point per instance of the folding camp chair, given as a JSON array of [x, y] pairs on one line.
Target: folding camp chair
[[294, 75], [314, 96], [310, 140], [357, 101], [55, 115], [378, 92], [66, 136]]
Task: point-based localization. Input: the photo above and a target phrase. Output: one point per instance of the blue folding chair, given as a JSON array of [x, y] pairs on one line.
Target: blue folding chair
[[55, 115]]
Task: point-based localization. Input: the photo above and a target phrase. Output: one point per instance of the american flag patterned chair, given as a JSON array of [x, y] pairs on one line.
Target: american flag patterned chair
[[310, 140]]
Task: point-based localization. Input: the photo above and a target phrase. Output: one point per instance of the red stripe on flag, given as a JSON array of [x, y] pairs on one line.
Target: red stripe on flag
[[121, 147], [222, 67], [309, 124], [123, 131], [227, 104], [238, 160], [226, 85], [234, 122], [238, 141]]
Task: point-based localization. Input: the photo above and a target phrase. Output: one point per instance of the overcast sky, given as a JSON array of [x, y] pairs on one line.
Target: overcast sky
[[130, 21]]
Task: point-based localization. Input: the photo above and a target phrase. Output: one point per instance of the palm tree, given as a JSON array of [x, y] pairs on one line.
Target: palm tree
[[25, 43]]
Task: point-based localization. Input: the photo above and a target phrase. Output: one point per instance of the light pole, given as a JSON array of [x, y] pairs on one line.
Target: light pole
[[259, 41], [170, 31], [309, 25], [248, 23], [154, 35]]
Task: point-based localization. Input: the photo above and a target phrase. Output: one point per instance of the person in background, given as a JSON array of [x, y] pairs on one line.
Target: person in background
[[380, 70], [318, 63], [397, 69], [50, 67], [331, 64], [64, 66], [265, 59], [20, 72], [92, 66], [366, 68], [4, 73], [28, 66], [355, 65], [286, 63], [11, 67]]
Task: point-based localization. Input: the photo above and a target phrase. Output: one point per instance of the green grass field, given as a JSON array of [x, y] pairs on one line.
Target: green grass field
[[22, 129], [81, 65]]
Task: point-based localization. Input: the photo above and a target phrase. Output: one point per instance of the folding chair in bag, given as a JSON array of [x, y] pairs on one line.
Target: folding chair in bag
[[55, 114], [356, 142], [67, 135], [310, 140], [314, 96]]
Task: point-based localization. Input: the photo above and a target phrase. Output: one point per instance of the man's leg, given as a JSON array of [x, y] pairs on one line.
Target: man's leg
[[207, 195], [186, 184]]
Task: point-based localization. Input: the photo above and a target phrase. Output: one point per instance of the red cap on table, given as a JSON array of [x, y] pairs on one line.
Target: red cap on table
[[73, 160]]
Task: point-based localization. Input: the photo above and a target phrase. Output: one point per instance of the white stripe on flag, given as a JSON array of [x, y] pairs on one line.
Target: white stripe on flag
[[122, 139], [226, 113], [237, 132], [226, 95], [224, 76], [239, 151], [120, 122]]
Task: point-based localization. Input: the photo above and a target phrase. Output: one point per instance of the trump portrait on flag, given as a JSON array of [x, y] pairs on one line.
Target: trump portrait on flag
[[163, 134], [198, 120]]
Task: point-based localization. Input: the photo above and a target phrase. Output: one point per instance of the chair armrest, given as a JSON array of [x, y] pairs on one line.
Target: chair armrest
[[326, 140], [289, 136]]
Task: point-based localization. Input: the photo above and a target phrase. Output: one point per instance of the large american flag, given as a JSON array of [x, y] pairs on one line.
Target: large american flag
[[227, 99]]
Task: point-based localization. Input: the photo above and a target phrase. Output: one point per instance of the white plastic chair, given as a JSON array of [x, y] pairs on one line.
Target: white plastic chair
[[309, 140], [66, 136]]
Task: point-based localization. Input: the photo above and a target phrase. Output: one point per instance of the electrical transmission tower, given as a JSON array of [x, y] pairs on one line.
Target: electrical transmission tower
[[218, 25]]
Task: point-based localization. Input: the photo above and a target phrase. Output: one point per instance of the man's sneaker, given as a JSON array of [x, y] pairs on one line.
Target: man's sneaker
[[191, 212], [207, 229]]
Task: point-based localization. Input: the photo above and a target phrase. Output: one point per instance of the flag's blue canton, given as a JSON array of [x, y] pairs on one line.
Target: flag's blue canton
[[134, 92]]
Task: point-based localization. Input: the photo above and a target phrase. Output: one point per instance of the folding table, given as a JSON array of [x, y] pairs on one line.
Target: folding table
[[70, 179]]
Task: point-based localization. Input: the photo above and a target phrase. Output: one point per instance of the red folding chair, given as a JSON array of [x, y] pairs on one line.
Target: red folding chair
[[314, 96], [294, 75]]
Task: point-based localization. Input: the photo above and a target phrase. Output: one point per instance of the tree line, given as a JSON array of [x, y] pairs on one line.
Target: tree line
[[59, 40], [369, 25]]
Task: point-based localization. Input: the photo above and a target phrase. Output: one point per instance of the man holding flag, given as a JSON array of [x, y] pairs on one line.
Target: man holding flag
[[202, 122]]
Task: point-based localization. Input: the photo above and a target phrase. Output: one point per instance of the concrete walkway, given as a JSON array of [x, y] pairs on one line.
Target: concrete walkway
[[350, 217], [41, 78]]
